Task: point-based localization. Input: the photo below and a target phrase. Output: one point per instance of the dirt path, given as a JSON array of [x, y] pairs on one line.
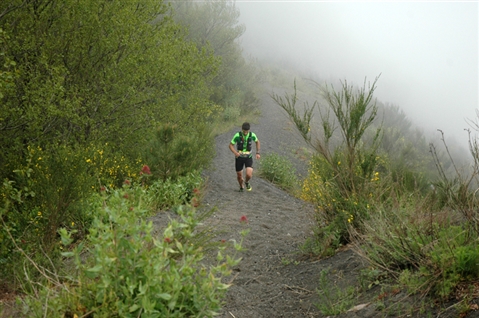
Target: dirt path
[[272, 280]]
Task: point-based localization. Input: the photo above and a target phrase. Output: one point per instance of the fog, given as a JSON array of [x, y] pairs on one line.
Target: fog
[[426, 52]]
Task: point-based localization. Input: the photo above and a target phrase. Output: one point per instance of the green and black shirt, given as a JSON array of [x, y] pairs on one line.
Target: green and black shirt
[[243, 142]]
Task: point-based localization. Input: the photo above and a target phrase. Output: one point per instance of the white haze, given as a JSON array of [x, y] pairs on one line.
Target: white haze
[[426, 52]]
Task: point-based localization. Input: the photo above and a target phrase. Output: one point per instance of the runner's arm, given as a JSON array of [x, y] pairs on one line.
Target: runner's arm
[[233, 150]]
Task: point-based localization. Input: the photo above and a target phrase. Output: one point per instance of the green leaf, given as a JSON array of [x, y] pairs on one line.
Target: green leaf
[[95, 269], [164, 296], [134, 307], [67, 254]]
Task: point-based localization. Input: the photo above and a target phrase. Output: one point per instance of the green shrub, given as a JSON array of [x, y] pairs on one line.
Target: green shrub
[[49, 189], [334, 300], [415, 281], [123, 270], [45, 193], [337, 211], [164, 194], [345, 165], [455, 257], [427, 251], [231, 113], [279, 170], [467, 260]]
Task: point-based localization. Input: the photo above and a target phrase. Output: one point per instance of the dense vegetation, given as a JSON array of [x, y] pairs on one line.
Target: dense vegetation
[[102, 105]]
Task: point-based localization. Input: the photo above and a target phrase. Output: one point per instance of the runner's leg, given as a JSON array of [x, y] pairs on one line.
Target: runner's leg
[[249, 169], [239, 175], [249, 173], [239, 164]]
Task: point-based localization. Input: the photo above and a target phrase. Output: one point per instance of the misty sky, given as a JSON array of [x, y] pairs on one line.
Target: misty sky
[[426, 52]]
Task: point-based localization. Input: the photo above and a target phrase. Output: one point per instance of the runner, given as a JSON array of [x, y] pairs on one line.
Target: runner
[[244, 157]]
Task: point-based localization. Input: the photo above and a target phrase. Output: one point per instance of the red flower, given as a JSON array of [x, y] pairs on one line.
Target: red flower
[[244, 219], [126, 196], [102, 188], [223, 241], [196, 191], [127, 182], [195, 202], [167, 240], [145, 170]]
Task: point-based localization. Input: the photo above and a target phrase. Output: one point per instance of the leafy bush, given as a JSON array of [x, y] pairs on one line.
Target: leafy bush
[[123, 270], [51, 189], [59, 190], [163, 194], [231, 113], [44, 193], [279, 170]]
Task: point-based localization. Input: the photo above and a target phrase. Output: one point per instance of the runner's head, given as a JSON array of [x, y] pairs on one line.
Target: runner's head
[[245, 127]]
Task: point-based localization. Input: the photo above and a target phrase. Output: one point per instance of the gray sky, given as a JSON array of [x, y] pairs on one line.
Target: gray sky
[[426, 52]]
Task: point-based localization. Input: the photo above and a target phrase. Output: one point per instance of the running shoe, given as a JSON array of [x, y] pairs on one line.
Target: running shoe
[[241, 190], [248, 186]]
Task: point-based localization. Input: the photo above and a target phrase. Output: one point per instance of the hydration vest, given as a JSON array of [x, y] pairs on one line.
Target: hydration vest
[[240, 143]]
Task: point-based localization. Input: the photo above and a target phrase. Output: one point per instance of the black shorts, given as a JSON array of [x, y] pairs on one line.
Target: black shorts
[[243, 162]]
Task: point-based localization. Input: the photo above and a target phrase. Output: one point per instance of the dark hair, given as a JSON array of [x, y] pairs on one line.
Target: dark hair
[[245, 126]]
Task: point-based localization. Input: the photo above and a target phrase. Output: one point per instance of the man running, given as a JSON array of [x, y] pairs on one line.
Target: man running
[[244, 157]]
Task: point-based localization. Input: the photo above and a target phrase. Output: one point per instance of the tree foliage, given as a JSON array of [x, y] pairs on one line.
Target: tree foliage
[[214, 25], [172, 154], [96, 71]]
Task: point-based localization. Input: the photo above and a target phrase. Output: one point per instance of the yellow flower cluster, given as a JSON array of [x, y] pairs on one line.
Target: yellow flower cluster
[[311, 188], [109, 166], [104, 164], [351, 218]]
